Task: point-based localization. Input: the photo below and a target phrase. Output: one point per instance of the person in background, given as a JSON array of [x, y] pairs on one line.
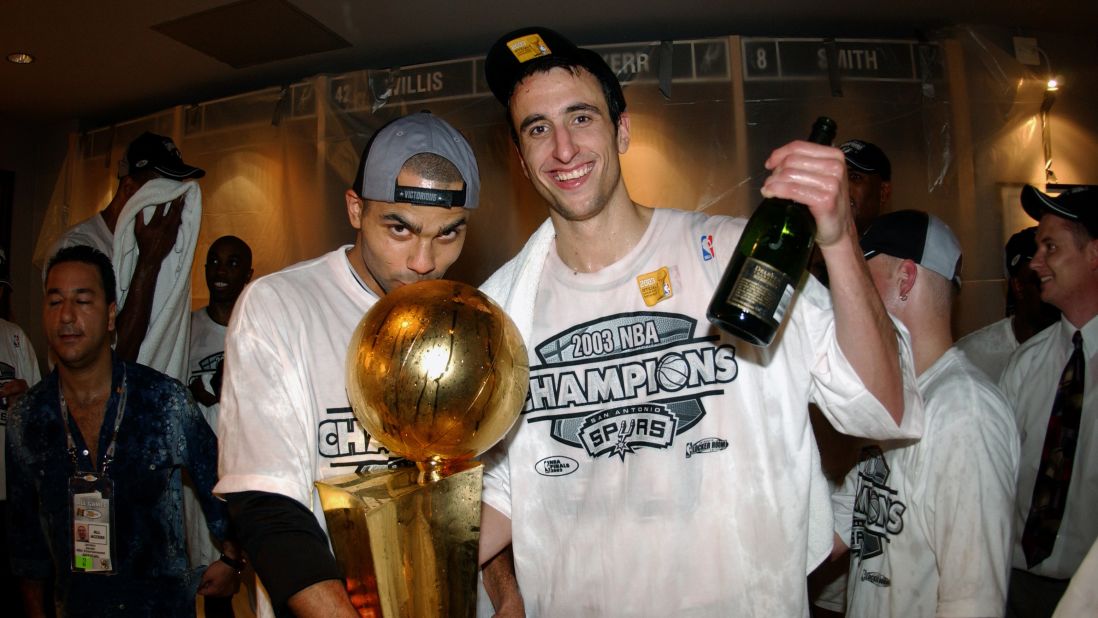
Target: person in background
[[228, 270], [990, 347], [104, 442], [928, 523], [147, 157], [869, 183], [1051, 380], [18, 372], [869, 176]]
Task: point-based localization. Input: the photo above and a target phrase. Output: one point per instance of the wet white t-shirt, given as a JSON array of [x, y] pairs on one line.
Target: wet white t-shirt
[[285, 420], [660, 467], [929, 523], [990, 347]]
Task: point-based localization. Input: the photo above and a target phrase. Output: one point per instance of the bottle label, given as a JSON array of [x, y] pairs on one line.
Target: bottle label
[[762, 290], [783, 304]]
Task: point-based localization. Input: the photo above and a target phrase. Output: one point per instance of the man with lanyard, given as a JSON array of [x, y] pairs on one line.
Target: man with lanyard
[[101, 444], [660, 467], [285, 420]]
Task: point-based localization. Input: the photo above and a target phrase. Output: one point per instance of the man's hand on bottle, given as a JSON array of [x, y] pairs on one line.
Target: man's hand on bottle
[[815, 176]]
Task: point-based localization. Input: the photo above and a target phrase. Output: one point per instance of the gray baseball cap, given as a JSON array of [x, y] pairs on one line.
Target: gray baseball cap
[[917, 236], [406, 137]]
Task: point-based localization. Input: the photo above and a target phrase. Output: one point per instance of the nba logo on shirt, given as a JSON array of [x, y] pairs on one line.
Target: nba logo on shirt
[[707, 247]]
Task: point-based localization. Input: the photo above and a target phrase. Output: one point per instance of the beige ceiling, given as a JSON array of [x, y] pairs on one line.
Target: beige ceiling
[[103, 61]]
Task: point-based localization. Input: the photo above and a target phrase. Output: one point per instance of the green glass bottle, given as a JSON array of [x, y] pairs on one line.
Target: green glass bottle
[[757, 286]]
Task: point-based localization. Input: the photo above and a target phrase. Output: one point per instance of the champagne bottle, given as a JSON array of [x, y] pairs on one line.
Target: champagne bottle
[[758, 284]]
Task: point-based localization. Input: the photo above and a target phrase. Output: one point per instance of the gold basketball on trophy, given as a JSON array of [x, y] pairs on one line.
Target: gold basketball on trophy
[[437, 372]]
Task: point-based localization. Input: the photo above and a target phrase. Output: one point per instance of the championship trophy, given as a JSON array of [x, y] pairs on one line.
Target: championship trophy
[[437, 373]]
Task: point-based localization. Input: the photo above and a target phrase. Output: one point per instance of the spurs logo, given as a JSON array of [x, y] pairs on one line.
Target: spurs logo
[[878, 512], [621, 431], [627, 381]]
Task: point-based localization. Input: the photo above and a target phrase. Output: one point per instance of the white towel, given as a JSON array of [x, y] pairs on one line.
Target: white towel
[[168, 336], [515, 285]]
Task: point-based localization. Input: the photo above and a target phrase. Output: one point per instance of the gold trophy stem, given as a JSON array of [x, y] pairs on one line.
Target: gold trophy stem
[[407, 541]]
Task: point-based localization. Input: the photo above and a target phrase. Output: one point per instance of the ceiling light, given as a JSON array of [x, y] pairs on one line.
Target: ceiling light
[[1053, 84], [20, 58]]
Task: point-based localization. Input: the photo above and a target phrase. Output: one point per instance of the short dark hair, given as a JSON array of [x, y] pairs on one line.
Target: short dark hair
[[93, 257], [543, 50], [611, 87], [433, 167], [235, 240]]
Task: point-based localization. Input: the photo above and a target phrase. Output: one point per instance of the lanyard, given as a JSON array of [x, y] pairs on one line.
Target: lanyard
[[120, 410]]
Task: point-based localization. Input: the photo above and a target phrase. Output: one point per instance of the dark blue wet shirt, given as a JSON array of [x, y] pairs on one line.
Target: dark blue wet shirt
[[161, 435]]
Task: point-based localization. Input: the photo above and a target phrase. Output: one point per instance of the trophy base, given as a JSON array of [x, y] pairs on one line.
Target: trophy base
[[407, 549]]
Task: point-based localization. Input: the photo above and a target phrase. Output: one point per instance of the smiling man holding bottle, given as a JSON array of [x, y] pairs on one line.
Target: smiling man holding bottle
[[663, 467]]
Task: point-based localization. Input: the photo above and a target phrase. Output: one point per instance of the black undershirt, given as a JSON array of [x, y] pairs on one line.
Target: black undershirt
[[284, 543]]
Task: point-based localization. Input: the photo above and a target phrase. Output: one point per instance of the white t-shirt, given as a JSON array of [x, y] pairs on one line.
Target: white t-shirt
[[1081, 596], [92, 231], [990, 347], [17, 360], [660, 467], [206, 351], [285, 419], [929, 523], [1030, 381]]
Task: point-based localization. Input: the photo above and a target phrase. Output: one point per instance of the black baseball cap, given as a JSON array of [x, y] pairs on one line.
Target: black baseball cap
[[866, 157], [917, 236], [1076, 204], [1020, 249], [519, 53], [159, 153]]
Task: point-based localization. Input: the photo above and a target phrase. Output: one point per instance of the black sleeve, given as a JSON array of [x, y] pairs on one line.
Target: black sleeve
[[284, 543]]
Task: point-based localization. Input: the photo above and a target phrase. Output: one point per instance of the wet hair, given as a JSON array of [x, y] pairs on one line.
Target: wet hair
[[84, 254], [433, 167], [611, 87]]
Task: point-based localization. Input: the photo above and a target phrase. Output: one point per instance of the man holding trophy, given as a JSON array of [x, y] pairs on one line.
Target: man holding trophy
[[285, 417]]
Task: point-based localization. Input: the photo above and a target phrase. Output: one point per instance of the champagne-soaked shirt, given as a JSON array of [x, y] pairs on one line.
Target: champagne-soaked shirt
[[162, 434], [661, 467]]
